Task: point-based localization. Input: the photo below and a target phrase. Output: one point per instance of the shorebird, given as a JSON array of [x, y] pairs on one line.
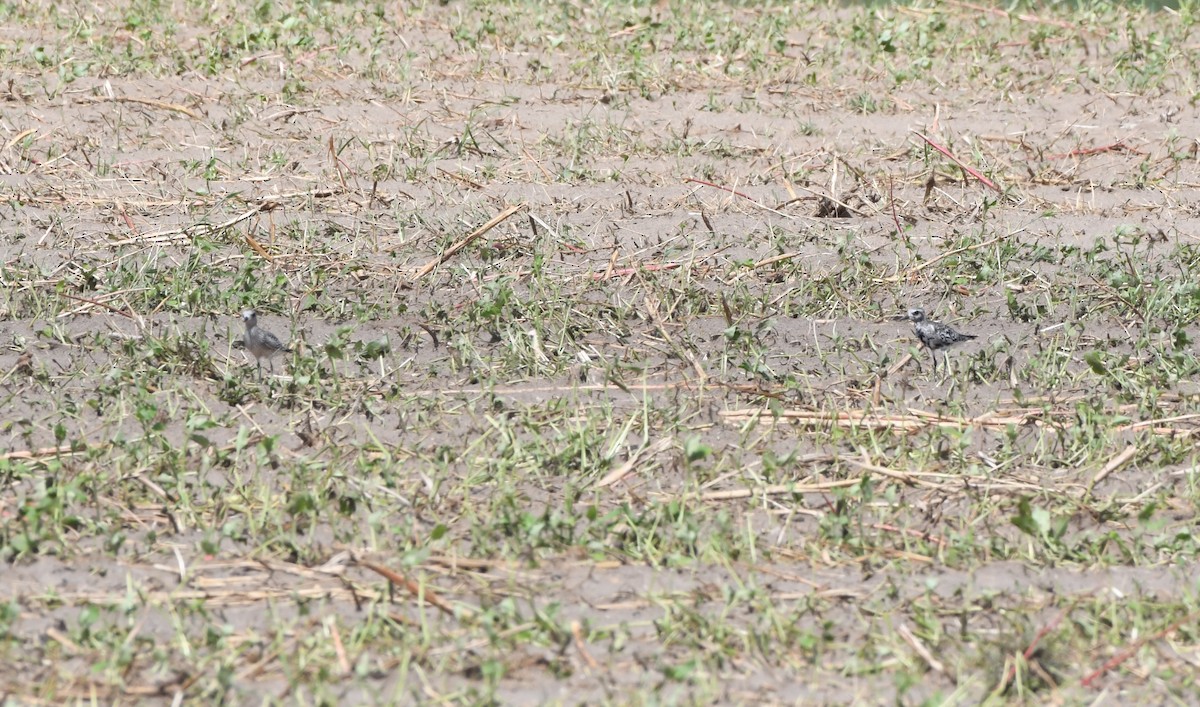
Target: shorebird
[[935, 336], [260, 342]]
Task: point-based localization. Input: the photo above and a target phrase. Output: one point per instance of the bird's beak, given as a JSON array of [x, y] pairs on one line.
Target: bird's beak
[[900, 317]]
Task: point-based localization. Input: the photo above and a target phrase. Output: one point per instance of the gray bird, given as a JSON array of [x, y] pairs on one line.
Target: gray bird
[[260, 342], [935, 336]]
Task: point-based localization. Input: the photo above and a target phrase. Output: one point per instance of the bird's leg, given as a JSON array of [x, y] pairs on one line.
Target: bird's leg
[[946, 373]]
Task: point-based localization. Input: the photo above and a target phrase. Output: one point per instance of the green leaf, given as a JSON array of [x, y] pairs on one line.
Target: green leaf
[[1024, 518], [680, 672], [1041, 518], [695, 450]]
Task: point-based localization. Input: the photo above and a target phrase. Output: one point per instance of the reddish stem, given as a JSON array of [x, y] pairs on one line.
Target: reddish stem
[[971, 171], [718, 186], [1132, 650]]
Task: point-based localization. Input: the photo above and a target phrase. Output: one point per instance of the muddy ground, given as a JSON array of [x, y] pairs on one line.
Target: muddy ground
[[656, 435]]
